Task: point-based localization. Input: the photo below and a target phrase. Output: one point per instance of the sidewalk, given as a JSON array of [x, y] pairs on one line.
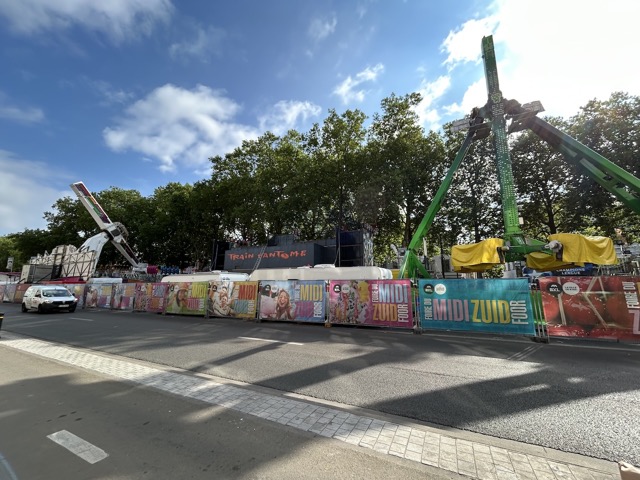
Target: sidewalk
[[459, 452]]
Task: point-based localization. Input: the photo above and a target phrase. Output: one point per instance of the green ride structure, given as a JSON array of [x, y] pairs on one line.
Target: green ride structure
[[501, 117]]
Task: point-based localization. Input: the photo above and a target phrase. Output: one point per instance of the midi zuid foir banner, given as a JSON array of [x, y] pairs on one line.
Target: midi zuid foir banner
[[500, 305], [371, 302], [299, 300], [187, 298], [232, 299], [595, 307]]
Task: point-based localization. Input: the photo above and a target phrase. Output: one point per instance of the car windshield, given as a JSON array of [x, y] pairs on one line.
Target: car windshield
[[59, 292]]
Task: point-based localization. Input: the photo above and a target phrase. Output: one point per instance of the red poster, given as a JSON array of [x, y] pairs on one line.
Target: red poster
[[594, 307]]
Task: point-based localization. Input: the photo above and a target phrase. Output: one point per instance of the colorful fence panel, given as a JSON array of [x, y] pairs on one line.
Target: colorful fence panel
[[77, 290], [187, 298], [20, 289], [98, 295], [497, 305], [371, 302], [293, 300], [123, 296], [10, 292], [594, 307], [150, 297], [232, 299]]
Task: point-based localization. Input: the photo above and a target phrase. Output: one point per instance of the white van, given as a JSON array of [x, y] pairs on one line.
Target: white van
[[48, 298]]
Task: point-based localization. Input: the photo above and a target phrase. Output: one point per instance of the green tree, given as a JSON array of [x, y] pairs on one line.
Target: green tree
[[543, 179], [407, 166], [611, 128]]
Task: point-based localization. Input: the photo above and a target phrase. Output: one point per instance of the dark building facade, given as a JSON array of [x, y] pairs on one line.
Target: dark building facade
[[355, 248]]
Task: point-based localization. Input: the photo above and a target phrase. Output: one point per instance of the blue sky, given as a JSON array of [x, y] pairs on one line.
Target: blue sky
[[139, 93]]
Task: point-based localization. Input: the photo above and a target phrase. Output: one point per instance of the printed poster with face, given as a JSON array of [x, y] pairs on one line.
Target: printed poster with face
[[371, 302], [98, 295], [123, 296], [232, 299], [292, 300], [187, 298], [595, 307]]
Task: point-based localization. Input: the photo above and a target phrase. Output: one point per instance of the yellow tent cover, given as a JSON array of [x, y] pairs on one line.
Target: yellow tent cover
[[476, 257], [576, 251], [543, 262], [581, 249]]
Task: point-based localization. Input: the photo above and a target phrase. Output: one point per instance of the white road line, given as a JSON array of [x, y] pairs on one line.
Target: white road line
[[270, 341], [85, 450], [83, 319]]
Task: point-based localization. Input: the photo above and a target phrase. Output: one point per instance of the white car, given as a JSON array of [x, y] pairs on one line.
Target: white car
[[48, 298]]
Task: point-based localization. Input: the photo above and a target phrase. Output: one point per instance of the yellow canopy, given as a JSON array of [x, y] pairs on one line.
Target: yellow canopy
[[576, 251], [476, 257]]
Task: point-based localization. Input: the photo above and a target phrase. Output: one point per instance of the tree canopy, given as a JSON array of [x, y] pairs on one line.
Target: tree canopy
[[350, 172]]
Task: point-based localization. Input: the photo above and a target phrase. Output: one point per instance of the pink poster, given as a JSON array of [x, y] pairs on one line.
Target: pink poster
[[371, 302]]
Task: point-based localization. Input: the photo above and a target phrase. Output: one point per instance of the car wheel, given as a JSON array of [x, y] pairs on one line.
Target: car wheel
[[72, 309], [40, 309], [24, 308]]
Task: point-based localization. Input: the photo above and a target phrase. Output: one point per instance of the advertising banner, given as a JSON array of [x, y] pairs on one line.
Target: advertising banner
[[594, 307], [20, 289], [501, 305], [77, 290], [232, 299], [150, 297], [123, 296], [98, 295], [384, 303], [10, 291], [187, 298], [298, 300]]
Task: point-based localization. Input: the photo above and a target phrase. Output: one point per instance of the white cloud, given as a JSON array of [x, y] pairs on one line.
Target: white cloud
[[178, 126], [286, 115], [319, 29], [589, 53], [463, 45], [118, 19], [431, 92], [110, 94], [202, 45], [18, 114], [348, 89], [25, 193], [22, 115]]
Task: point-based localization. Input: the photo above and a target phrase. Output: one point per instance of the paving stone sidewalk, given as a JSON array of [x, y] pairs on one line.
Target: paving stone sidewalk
[[437, 448]]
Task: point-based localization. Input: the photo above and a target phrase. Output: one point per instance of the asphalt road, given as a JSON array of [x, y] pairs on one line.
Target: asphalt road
[[61, 423], [575, 398]]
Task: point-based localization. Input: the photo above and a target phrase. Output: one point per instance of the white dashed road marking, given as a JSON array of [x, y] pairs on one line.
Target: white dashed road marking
[[270, 341], [85, 450]]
